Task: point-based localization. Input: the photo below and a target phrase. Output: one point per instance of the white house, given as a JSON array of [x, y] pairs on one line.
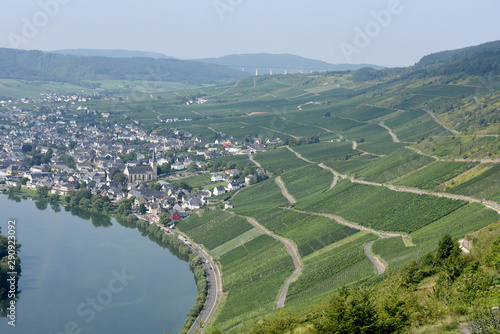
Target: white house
[[219, 190], [216, 178]]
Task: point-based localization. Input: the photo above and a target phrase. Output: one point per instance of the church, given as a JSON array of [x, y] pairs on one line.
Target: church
[[143, 173]]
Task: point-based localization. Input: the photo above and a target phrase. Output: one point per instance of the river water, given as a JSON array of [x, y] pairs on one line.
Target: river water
[[92, 275]]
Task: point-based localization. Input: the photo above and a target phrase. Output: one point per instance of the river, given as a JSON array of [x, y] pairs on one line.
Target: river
[[93, 275]]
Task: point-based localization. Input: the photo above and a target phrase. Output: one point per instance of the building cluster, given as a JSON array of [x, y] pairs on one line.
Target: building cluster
[[48, 147]]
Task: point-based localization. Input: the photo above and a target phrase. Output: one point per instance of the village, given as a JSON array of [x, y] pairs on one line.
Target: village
[[50, 147]]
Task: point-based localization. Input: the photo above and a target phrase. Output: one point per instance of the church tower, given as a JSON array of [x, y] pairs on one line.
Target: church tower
[[154, 165]]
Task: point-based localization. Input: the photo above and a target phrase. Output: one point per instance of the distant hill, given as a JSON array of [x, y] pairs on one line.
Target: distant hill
[[455, 55], [112, 53], [38, 65], [279, 63]]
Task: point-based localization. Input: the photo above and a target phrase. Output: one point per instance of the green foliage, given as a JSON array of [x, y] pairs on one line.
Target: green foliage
[[8, 263], [304, 181], [120, 177], [215, 231], [435, 174], [393, 165], [483, 186], [381, 208], [350, 312], [74, 69], [279, 160]]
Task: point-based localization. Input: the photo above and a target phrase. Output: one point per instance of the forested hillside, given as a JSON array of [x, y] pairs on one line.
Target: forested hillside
[[41, 66]]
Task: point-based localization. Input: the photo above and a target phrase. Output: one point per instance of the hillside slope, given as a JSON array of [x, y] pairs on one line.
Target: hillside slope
[[37, 65], [279, 63]]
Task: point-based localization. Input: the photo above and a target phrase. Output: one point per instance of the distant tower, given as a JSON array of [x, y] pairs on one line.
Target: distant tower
[[242, 69], [154, 165], [271, 71], [285, 72], [256, 72]]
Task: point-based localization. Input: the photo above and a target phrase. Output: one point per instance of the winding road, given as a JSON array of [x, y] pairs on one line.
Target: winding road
[[439, 122], [284, 191], [376, 261], [214, 280], [292, 249]]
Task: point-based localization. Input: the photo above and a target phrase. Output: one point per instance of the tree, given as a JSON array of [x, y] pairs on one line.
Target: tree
[[124, 208], [165, 219], [120, 177], [142, 209], [447, 248], [42, 192], [164, 168]]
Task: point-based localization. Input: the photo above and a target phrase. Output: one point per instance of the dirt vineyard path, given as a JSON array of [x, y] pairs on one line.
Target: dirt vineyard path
[[393, 135], [292, 250], [439, 122], [284, 191]]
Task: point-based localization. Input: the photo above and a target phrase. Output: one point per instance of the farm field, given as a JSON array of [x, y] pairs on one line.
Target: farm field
[[433, 175], [258, 198], [380, 208], [326, 151], [215, 231], [484, 186], [279, 160], [305, 181], [463, 147], [396, 164], [326, 271], [415, 124], [310, 232], [253, 276], [466, 219]]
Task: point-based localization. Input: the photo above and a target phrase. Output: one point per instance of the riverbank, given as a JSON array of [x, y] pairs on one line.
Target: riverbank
[[155, 232]]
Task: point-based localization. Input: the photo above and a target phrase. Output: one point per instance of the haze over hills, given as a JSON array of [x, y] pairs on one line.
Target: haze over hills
[[279, 63], [454, 55], [38, 65], [113, 53]]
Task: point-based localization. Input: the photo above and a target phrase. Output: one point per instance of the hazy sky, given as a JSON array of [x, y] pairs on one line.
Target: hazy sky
[[388, 32]]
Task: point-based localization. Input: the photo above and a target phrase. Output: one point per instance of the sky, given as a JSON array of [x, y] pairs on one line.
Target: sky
[[382, 32]]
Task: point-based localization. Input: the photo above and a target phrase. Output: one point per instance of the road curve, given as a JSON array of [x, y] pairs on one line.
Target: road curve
[[214, 280], [293, 253], [439, 122], [376, 261], [250, 157], [284, 191]]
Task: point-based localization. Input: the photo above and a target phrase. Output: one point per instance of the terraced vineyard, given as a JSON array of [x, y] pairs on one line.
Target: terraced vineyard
[[215, 231], [435, 174], [344, 186], [380, 208]]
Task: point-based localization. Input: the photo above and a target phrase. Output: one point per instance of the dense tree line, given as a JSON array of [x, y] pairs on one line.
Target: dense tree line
[[41, 66]]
